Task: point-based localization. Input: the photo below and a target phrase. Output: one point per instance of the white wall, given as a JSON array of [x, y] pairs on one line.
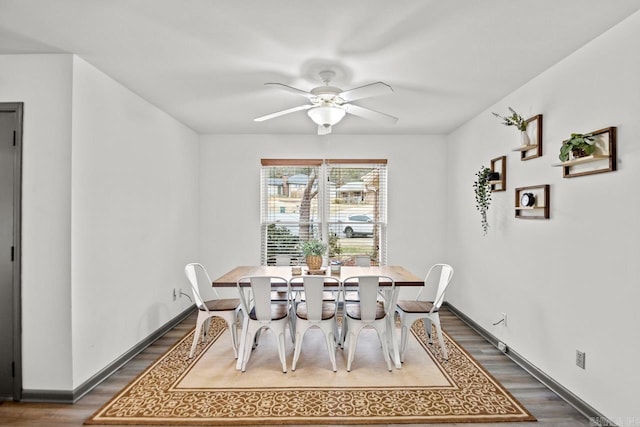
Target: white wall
[[43, 83], [230, 192], [110, 185], [134, 218], [569, 282]]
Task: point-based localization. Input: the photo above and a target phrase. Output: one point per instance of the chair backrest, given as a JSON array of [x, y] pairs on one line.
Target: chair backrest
[[196, 273], [283, 260], [446, 273], [363, 260], [259, 297], [368, 287], [314, 287]]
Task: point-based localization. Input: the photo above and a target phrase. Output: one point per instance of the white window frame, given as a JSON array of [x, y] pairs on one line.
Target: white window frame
[[326, 213]]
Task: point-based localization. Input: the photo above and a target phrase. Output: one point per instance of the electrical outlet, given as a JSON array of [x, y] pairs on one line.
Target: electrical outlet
[[580, 358], [502, 347], [174, 294]]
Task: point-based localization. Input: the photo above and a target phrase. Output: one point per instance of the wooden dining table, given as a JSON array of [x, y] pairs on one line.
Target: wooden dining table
[[400, 275]]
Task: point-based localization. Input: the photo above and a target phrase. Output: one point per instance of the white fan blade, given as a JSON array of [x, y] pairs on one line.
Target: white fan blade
[[366, 113], [324, 130], [366, 91], [292, 90], [282, 113]]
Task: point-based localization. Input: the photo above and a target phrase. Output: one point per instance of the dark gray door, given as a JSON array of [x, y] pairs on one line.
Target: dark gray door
[[10, 134]]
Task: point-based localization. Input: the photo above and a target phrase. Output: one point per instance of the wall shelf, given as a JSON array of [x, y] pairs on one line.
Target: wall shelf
[[541, 209], [526, 147], [582, 160], [603, 160], [499, 165]]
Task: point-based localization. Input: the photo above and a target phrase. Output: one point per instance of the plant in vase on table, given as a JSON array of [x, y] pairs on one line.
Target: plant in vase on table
[[518, 121], [313, 250], [579, 145]]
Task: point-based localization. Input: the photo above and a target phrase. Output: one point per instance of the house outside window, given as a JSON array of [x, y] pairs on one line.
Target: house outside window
[[342, 202]]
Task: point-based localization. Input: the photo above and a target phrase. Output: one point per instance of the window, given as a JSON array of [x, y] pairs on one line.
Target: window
[[342, 202]]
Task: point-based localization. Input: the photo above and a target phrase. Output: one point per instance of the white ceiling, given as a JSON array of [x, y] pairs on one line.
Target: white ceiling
[[205, 62]]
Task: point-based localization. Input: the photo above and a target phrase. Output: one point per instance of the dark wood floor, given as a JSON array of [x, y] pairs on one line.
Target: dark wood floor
[[547, 407]]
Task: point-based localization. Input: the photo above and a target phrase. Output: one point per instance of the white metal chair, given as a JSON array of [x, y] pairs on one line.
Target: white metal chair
[[262, 312], [360, 261], [283, 260], [314, 310], [280, 294], [367, 312], [412, 310], [363, 260], [225, 308]]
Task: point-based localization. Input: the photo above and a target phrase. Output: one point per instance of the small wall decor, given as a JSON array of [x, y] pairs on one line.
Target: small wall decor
[[530, 133], [498, 175], [533, 148], [588, 154], [514, 119], [533, 202]]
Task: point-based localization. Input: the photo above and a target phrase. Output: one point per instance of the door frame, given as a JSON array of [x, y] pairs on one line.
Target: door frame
[[17, 108]]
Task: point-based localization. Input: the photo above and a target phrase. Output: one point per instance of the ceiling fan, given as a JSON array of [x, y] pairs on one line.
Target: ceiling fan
[[329, 104]]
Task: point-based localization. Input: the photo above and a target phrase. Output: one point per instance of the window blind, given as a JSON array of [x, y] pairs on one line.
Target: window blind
[[356, 206], [342, 202]]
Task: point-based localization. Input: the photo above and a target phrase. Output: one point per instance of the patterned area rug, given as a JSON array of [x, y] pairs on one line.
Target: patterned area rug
[[207, 390]]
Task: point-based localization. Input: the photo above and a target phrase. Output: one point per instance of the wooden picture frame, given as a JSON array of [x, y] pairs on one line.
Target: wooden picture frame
[[603, 160], [499, 165], [541, 209], [534, 131]]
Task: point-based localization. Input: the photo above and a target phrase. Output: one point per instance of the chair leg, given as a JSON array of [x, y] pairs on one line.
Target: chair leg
[[404, 336], [351, 339], [233, 327], [297, 347], [381, 329], [281, 350], [205, 331], [256, 338], [233, 330], [196, 335], [436, 321], [292, 323], [252, 336], [351, 342], [331, 347], [242, 344], [343, 333], [427, 329]]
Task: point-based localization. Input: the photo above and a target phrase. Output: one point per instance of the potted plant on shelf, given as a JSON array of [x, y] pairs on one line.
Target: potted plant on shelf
[[579, 145], [518, 121], [313, 249], [482, 189]]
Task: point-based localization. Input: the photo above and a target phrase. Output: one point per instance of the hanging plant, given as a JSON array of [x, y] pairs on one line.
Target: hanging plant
[[482, 188]]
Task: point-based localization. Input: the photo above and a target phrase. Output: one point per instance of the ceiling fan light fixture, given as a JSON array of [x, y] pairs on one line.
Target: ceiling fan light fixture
[[326, 115]]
